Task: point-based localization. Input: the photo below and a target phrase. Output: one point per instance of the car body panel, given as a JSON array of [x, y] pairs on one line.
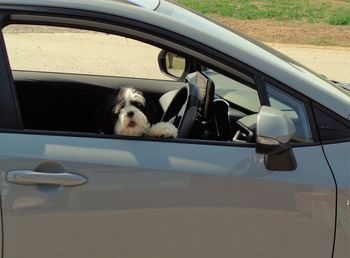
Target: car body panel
[[149, 4], [187, 24], [161, 199], [338, 157]]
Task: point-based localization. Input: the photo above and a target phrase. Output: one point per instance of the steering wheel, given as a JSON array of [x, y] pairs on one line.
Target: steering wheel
[[188, 96]]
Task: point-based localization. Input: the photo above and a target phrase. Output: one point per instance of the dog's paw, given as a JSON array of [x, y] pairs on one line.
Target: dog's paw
[[162, 130]]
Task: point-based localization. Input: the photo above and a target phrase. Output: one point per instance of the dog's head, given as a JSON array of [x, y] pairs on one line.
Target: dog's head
[[130, 113], [126, 112]]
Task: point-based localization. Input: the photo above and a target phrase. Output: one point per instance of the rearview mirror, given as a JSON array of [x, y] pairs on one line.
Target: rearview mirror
[[273, 133], [172, 65]]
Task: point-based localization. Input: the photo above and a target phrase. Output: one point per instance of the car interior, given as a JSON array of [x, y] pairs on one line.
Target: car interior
[[64, 102]]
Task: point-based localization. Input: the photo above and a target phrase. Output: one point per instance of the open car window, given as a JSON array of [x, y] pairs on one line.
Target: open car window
[[71, 80], [76, 51]]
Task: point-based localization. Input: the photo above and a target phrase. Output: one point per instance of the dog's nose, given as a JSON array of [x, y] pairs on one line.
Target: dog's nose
[[130, 114]]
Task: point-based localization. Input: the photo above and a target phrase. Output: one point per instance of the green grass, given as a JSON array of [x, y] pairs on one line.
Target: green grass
[[331, 12], [341, 17]]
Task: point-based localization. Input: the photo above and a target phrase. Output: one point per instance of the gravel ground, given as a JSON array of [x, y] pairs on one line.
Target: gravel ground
[[333, 62], [65, 50]]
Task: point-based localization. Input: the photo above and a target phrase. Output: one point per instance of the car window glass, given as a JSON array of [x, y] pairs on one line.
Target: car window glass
[[294, 109], [66, 50], [235, 91]]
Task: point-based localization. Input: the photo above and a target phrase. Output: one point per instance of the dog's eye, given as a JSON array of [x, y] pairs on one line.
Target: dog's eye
[[122, 105], [138, 104]]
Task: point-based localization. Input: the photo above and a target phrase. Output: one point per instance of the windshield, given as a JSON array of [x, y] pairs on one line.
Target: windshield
[[235, 92]]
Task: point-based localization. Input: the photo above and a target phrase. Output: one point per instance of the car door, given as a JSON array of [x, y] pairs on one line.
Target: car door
[[89, 195], [146, 198]]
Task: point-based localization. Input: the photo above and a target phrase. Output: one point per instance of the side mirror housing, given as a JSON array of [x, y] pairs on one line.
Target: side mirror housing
[[273, 133], [173, 65]]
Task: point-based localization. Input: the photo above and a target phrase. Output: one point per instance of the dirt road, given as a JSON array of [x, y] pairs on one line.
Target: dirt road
[[98, 54], [333, 62]]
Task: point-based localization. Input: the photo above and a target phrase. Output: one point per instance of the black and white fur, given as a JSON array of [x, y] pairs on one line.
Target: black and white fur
[[129, 113]]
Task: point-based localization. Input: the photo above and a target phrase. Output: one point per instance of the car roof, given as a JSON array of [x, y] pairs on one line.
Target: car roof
[[148, 4], [172, 17]]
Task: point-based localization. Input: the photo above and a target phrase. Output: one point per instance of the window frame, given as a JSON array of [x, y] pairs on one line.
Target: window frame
[[146, 33], [9, 109]]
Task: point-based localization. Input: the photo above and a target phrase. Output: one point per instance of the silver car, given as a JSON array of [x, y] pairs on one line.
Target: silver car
[[260, 167]]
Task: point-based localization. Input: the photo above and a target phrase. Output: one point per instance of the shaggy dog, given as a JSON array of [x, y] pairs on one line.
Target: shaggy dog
[[129, 113]]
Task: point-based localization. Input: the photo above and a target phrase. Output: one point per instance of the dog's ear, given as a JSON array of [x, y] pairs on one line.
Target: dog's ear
[[120, 95], [104, 117]]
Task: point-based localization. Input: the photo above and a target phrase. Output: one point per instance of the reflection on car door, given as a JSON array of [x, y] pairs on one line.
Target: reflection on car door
[[163, 199]]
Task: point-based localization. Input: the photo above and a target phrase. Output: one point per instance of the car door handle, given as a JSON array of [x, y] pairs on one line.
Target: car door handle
[[29, 177]]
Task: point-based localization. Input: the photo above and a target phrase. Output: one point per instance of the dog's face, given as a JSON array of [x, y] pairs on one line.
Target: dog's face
[[131, 114]]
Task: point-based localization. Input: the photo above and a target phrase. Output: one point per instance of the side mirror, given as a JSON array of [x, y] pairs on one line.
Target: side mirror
[[173, 65], [273, 133]]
